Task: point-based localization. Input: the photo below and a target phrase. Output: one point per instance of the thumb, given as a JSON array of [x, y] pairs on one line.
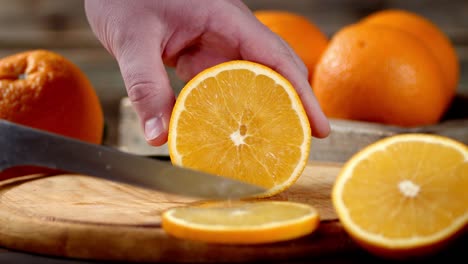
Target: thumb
[[149, 90]]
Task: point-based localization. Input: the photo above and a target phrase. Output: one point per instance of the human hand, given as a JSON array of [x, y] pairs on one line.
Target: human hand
[[190, 35]]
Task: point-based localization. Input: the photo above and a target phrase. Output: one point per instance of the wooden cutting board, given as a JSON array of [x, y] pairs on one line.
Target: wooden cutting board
[[83, 217]]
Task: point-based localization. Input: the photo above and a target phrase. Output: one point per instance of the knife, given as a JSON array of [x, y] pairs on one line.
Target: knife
[[22, 145]]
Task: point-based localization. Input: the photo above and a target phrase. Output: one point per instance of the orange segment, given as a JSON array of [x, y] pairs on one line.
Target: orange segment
[[241, 120], [241, 222], [404, 193]]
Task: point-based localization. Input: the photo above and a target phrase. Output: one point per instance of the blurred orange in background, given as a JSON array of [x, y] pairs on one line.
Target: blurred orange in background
[[432, 37], [380, 74], [393, 67], [44, 90], [304, 37]]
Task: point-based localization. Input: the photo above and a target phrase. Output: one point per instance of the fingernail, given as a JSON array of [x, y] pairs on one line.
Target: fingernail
[[154, 127]]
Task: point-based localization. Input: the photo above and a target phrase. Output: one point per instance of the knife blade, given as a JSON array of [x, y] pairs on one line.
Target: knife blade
[[22, 145]]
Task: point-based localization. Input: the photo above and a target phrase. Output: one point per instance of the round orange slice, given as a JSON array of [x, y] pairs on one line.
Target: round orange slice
[[251, 222], [244, 121], [405, 195]]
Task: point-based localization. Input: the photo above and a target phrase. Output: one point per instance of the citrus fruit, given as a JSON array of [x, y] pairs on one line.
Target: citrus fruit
[[379, 74], [404, 195], [430, 34], [302, 35], [44, 90], [241, 222], [241, 120]]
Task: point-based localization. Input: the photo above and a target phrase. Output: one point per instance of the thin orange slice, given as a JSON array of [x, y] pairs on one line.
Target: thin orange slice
[[241, 222], [404, 195], [241, 120]]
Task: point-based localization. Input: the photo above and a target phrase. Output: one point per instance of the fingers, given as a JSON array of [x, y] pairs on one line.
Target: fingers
[[136, 48], [261, 45], [186, 68], [300, 64], [148, 89]]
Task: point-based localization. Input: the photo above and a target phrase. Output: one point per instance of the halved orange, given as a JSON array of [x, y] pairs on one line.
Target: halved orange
[[241, 120], [252, 222], [404, 195]]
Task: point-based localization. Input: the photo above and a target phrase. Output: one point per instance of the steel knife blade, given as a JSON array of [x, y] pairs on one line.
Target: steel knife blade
[[22, 145]]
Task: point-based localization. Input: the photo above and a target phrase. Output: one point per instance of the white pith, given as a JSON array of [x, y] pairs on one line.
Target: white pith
[[409, 188]]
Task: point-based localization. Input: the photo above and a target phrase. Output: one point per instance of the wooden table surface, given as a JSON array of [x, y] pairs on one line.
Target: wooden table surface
[[76, 216]]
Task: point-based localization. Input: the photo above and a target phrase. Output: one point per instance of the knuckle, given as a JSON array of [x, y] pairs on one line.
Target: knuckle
[[141, 91]]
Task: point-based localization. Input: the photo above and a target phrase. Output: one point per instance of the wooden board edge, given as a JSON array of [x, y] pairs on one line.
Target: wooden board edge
[[152, 244]]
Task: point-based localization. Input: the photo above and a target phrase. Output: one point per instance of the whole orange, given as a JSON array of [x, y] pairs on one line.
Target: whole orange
[[44, 90], [379, 74], [429, 33], [304, 37]]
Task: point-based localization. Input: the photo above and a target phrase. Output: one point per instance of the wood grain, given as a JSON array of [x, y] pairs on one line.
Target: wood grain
[[84, 217]]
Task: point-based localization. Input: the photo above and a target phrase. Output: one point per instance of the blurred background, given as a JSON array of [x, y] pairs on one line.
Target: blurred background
[[61, 26]]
